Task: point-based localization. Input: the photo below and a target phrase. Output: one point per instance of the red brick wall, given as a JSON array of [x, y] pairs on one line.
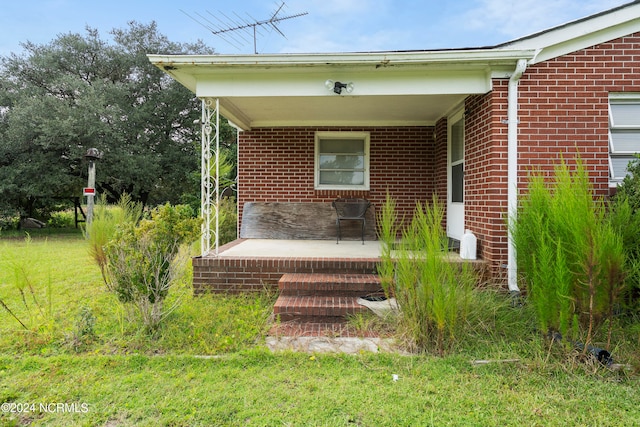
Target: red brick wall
[[440, 161], [277, 165], [486, 172], [563, 105]]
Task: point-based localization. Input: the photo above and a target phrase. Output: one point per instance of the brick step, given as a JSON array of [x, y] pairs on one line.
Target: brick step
[[314, 309], [318, 329], [320, 284]]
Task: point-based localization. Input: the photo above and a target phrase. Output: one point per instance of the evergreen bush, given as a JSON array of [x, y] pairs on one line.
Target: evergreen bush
[[144, 260], [569, 252]]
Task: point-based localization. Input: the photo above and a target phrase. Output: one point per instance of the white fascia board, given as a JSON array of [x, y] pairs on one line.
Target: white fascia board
[[298, 85], [377, 59], [581, 34]]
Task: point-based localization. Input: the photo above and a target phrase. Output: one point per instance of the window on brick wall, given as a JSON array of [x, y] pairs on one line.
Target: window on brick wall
[[342, 161], [624, 134]]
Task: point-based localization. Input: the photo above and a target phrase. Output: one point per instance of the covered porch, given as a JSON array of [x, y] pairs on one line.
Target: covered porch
[[286, 248], [405, 108]]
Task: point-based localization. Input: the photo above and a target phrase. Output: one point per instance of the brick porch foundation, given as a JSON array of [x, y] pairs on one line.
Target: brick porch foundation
[[250, 274]]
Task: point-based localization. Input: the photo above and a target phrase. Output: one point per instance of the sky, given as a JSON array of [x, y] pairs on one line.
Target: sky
[[330, 26]]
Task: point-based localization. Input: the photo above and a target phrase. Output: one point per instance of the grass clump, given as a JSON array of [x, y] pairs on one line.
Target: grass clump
[[433, 293], [106, 220]]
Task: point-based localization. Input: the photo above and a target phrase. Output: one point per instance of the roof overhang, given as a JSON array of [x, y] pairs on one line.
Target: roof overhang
[[580, 34], [390, 88]]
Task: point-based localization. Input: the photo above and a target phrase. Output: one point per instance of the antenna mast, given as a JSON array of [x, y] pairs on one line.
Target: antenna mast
[[224, 29]]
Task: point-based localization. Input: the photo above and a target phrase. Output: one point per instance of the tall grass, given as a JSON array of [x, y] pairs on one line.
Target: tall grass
[[432, 292], [389, 226], [106, 220], [569, 252]]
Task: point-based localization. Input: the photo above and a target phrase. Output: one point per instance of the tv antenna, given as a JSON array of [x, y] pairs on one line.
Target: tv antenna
[[235, 30]]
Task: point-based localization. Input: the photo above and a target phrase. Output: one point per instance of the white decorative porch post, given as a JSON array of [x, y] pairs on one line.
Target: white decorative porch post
[[210, 190]]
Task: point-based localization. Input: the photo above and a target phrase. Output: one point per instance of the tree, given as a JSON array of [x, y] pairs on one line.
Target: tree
[[59, 99]]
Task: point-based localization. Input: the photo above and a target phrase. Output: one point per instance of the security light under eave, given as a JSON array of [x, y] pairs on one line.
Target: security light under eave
[[337, 87]]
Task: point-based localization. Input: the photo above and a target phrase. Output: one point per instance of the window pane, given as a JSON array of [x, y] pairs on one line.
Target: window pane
[[457, 183], [328, 161], [619, 165], [341, 178], [341, 160], [626, 114], [457, 141], [625, 141], [354, 146]]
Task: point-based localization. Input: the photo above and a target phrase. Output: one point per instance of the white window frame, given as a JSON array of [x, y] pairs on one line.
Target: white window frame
[[621, 98], [360, 136]]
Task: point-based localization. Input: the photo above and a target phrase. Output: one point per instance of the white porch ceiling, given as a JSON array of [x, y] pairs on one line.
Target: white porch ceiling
[[371, 110]]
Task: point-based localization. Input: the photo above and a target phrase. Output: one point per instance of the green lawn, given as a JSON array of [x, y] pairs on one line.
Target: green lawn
[[259, 388], [208, 366]]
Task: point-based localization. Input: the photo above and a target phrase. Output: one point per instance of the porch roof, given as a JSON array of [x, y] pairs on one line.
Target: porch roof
[[389, 88]]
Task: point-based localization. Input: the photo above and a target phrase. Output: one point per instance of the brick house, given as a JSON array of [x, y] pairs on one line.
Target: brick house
[[465, 124]]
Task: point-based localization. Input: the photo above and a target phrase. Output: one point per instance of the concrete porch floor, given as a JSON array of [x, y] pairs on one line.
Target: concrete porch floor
[[274, 248]]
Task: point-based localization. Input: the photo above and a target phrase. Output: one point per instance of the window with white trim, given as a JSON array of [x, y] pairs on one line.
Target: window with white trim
[[342, 161], [624, 134]]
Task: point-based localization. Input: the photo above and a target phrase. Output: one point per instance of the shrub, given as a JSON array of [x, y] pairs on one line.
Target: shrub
[[8, 221], [62, 219], [144, 260], [228, 221], [629, 189], [433, 293], [625, 218], [571, 256]]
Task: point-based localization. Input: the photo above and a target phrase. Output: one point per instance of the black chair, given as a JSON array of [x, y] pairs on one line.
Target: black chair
[[350, 210]]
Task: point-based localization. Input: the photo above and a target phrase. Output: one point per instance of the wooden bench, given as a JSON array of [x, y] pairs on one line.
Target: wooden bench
[[300, 221]]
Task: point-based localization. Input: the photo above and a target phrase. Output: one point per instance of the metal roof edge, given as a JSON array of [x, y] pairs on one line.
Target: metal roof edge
[[380, 59]]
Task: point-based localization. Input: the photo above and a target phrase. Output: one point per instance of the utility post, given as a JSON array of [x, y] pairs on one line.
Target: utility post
[[90, 191]]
